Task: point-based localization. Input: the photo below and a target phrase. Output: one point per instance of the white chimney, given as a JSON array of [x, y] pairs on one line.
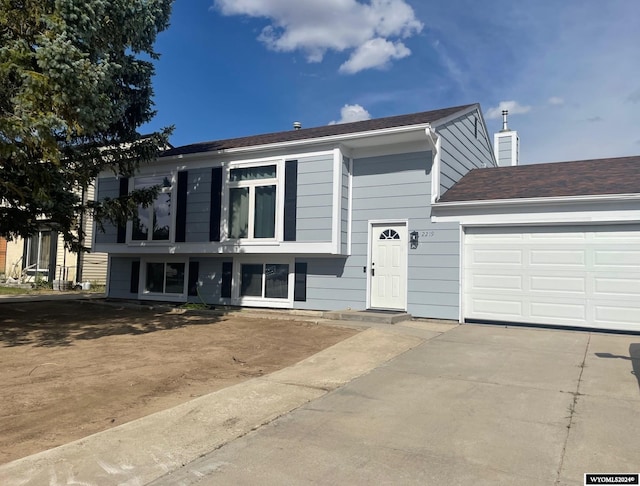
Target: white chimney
[[297, 125], [506, 144]]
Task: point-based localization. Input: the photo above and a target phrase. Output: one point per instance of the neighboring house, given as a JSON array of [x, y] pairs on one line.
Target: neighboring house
[[3, 255], [326, 218], [43, 256], [551, 243]]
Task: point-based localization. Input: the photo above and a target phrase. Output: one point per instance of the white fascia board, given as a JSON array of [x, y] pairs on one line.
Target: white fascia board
[[581, 209], [456, 115], [301, 143], [565, 217], [538, 201], [218, 249]]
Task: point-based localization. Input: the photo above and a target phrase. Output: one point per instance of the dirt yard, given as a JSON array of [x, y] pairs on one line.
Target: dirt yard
[[70, 369]]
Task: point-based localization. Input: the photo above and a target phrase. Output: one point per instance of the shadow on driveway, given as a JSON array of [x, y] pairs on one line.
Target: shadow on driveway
[[634, 357]]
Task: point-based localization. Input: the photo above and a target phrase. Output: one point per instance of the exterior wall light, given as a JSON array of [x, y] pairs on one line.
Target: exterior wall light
[[413, 240]]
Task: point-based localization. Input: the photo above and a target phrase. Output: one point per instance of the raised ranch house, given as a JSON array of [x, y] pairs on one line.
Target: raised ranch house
[[325, 218], [414, 213]]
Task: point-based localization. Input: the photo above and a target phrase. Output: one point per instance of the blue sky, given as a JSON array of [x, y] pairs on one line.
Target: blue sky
[[569, 71]]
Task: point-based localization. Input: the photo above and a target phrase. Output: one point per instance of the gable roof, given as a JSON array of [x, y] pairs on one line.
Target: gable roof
[[560, 179], [318, 132]]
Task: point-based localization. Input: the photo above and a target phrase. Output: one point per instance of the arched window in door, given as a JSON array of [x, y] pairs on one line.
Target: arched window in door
[[389, 234]]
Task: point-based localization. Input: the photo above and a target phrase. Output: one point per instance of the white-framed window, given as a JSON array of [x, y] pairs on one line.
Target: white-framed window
[[38, 253], [154, 223], [264, 280], [167, 278], [253, 202]]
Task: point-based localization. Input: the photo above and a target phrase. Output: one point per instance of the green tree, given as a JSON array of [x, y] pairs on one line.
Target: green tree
[[75, 86]]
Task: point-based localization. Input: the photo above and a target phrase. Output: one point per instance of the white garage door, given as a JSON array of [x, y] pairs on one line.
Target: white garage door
[[575, 276]]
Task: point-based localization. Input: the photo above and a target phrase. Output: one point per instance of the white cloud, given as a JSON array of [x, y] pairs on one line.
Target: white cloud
[[514, 108], [555, 101], [317, 26], [352, 113], [375, 53]]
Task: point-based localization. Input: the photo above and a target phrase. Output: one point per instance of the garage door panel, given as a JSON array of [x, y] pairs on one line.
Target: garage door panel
[[558, 311], [616, 286], [492, 282], [557, 257], [558, 284], [485, 308], [586, 276], [617, 258], [555, 236], [624, 317], [493, 257]]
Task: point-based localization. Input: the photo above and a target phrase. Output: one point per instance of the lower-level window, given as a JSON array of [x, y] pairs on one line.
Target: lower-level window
[[38, 252], [268, 280], [165, 278]]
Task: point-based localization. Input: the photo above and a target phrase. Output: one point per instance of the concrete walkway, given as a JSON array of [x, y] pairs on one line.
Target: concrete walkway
[[414, 403]]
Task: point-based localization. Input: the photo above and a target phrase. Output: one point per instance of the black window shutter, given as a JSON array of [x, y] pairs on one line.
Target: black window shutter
[[227, 273], [290, 199], [194, 270], [181, 206], [216, 204], [300, 283], [122, 229], [135, 277]]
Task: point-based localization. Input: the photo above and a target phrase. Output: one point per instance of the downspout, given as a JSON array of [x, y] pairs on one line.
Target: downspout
[[434, 142], [79, 260]]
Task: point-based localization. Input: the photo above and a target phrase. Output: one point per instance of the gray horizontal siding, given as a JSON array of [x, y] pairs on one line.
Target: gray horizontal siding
[[332, 284], [314, 199], [209, 280], [398, 187], [120, 278], [461, 150], [504, 151], [198, 205], [391, 187], [107, 187]]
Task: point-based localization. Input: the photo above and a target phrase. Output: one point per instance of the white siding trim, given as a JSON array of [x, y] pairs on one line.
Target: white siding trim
[[460, 274], [215, 248], [337, 201], [435, 171], [554, 217], [350, 212]]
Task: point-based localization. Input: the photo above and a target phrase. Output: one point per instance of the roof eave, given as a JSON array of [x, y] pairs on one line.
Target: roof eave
[[308, 141]]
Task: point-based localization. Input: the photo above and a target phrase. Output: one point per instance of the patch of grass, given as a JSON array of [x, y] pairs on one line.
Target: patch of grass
[[14, 291], [195, 306]]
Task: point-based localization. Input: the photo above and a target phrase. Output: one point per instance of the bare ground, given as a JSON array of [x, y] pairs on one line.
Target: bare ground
[[71, 369]]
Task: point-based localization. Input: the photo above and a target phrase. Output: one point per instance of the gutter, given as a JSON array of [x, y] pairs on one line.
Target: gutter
[[307, 141], [537, 201]]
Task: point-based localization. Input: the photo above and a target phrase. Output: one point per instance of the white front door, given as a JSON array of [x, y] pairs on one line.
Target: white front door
[[388, 266]]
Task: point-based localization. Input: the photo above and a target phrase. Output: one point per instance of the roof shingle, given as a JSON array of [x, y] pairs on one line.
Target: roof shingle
[[317, 132], [579, 178]]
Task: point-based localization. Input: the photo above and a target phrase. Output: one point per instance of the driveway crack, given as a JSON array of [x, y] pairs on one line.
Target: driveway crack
[[572, 410]]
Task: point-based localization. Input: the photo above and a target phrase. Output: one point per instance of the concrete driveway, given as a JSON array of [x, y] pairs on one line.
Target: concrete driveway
[[413, 403], [473, 405]]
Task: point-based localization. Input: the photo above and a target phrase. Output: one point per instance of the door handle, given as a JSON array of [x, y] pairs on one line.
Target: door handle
[[373, 270]]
